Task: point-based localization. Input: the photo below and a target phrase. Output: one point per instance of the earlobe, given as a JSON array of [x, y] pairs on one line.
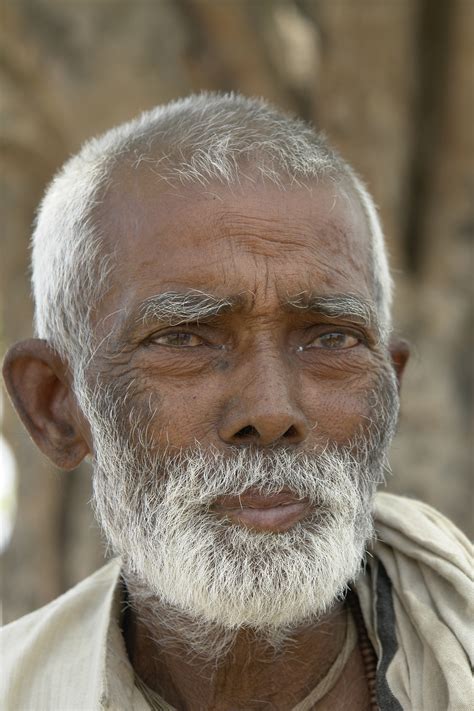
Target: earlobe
[[399, 352], [40, 389]]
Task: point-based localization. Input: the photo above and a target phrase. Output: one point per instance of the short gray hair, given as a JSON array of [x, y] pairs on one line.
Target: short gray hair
[[200, 139]]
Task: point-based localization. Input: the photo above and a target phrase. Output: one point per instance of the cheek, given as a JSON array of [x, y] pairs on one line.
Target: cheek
[[339, 415], [177, 414], [356, 405], [340, 402]]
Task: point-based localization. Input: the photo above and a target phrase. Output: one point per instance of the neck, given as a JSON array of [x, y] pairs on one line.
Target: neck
[[194, 667]]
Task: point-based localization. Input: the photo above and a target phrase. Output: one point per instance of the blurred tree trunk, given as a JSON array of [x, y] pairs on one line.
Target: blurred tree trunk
[[389, 83], [433, 453]]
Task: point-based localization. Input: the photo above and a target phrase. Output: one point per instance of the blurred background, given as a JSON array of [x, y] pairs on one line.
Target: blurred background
[[390, 81]]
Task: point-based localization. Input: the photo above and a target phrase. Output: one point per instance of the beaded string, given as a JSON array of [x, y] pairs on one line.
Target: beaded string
[[369, 658]]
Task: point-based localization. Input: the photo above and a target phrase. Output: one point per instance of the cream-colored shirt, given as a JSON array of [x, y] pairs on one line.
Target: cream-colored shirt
[[415, 595]]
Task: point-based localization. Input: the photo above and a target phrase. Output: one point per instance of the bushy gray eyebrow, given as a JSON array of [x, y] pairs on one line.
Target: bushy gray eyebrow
[[343, 306], [174, 307]]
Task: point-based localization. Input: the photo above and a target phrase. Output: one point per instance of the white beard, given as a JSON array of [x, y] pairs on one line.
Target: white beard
[[155, 512], [159, 520]]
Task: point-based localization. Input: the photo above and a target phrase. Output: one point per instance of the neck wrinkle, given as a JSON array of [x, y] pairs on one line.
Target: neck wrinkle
[[238, 666]]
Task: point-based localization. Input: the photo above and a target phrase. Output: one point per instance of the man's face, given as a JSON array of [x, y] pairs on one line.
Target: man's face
[[260, 371], [240, 360]]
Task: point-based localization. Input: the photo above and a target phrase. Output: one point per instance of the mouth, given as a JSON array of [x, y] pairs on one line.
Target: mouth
[[275, 513]]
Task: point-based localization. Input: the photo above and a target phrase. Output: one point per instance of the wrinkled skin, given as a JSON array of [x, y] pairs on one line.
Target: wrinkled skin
[[259, 375], [263, 245]]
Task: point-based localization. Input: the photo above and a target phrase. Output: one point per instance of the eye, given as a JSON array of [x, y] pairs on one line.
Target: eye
[[178, 339], [335, 340]]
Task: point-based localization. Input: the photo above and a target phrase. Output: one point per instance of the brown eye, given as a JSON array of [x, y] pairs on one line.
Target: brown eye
[[178, 340], [336, 340]]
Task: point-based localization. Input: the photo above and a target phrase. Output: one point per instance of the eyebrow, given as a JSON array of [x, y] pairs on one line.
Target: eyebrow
[[174, 307], [342, 306]]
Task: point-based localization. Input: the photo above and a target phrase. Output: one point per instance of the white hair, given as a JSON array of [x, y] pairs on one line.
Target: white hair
[[199, 139]]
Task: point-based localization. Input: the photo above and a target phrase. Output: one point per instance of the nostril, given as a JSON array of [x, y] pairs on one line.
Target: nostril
[[245, 432], [250, 432]]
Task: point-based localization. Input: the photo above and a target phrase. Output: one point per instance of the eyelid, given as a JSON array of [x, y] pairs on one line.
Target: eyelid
[[166, 329], [364, 332], [174, 331], [186, 329], [329, 329], [321, 329]]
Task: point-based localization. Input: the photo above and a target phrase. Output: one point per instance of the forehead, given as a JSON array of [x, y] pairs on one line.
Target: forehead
[[298, 238]]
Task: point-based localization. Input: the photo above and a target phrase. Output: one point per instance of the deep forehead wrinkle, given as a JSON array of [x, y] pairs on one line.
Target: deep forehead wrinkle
[[175, 307], [344, 306]]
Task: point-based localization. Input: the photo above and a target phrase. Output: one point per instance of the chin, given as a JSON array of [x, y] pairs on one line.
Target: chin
[[233, 577]]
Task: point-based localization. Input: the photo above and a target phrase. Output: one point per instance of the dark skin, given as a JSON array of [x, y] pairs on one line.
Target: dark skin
[[258, 375]]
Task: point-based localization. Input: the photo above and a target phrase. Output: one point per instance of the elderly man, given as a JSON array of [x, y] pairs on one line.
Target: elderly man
[[213, 318]]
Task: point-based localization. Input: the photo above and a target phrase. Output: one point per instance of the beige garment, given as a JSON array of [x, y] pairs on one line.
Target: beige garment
[[70, 655], [429, 567]]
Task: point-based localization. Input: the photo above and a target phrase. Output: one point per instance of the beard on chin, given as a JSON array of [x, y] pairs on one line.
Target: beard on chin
[[155, 510]]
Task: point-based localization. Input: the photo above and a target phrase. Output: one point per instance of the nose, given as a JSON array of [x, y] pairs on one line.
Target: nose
[[263, 410]]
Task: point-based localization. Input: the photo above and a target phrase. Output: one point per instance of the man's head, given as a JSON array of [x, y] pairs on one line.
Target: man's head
[[213, 299], [197, 142]]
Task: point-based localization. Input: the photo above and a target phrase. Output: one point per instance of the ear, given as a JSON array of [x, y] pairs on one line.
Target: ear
[[40, 387], [399, 352]]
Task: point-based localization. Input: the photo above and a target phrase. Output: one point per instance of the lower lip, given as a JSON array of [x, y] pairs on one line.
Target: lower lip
[[275, 519]]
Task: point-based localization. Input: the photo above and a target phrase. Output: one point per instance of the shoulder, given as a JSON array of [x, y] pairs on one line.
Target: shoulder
[[83, 597], [44, 650], [416, 597], [419, 531]]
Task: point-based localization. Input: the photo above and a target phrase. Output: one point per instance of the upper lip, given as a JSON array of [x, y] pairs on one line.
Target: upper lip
[[255, 500]]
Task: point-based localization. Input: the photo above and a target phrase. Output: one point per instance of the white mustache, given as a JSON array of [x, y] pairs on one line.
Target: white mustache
[[195, 478]]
